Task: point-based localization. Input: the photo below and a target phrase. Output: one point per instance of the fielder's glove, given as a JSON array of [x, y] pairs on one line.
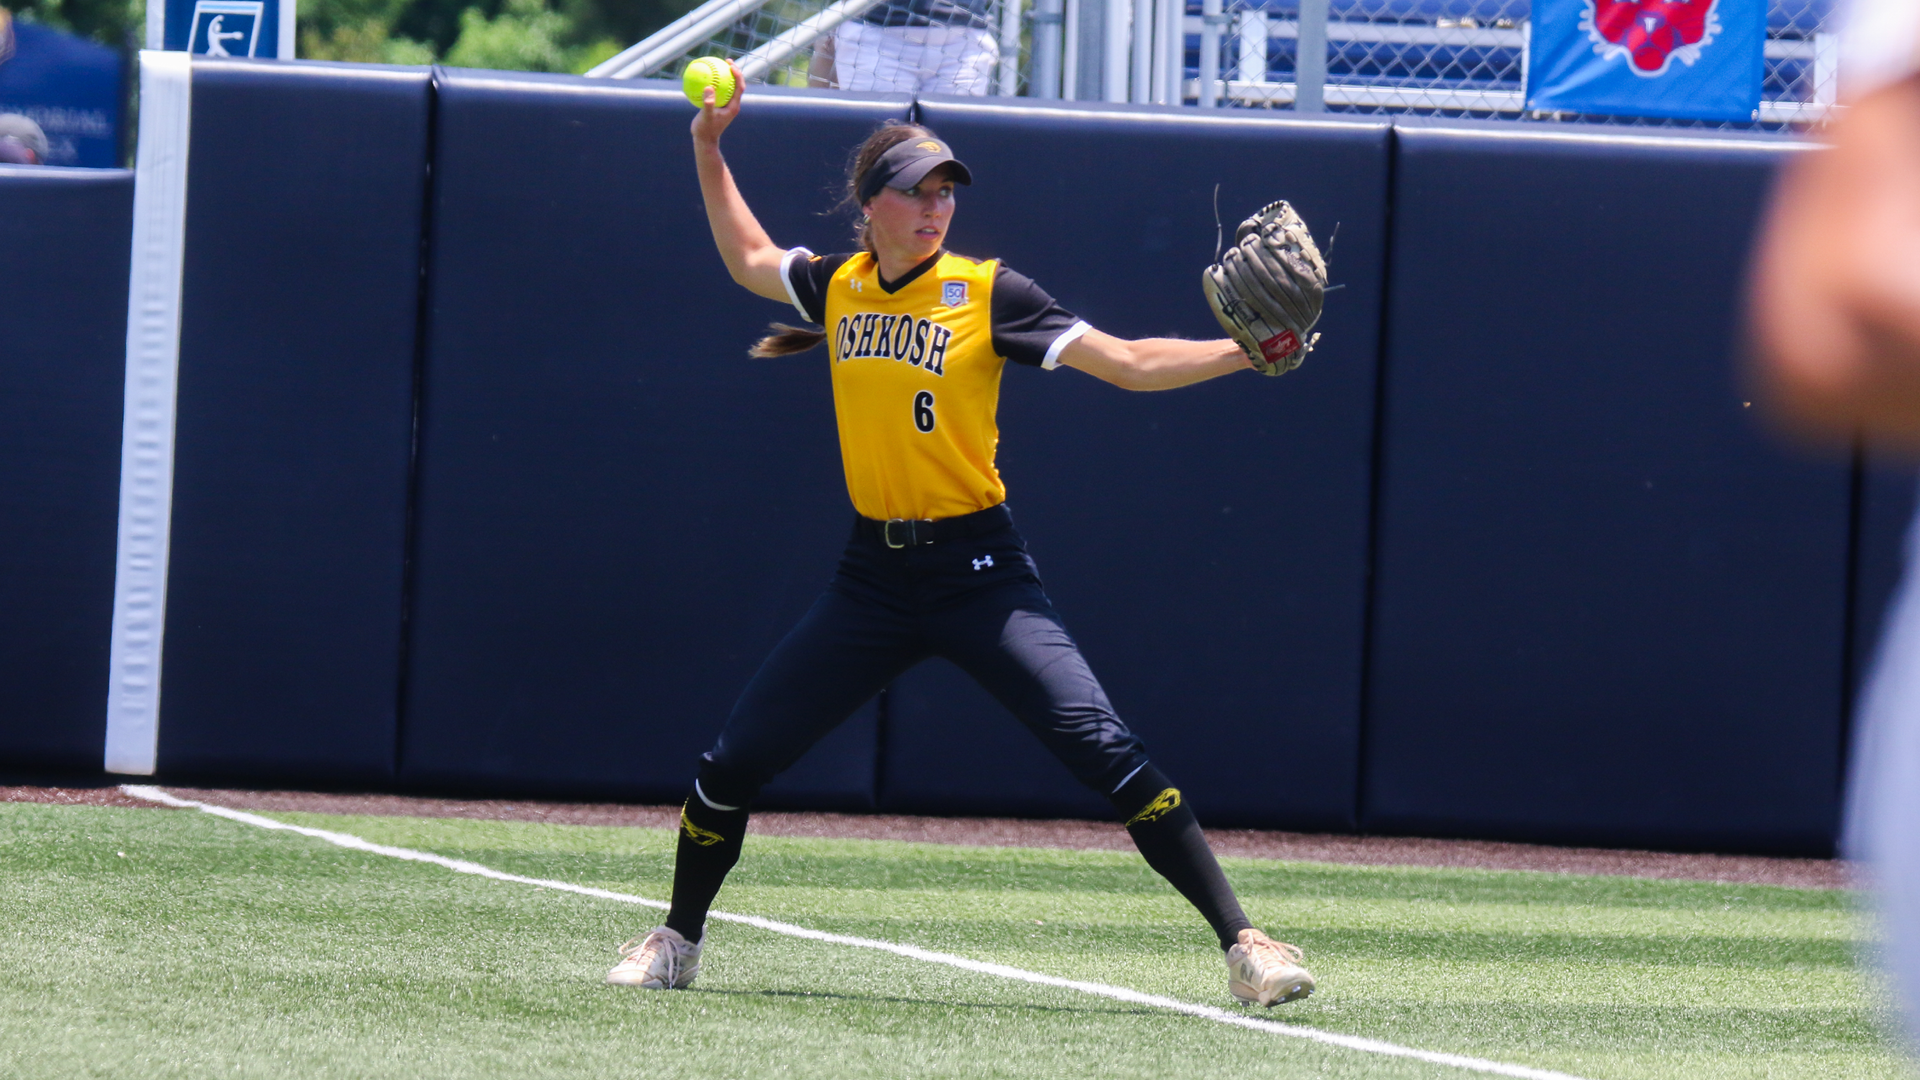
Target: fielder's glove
[[1267, 289]]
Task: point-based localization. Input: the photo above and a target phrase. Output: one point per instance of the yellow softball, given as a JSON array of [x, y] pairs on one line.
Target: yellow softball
[[709, 71]]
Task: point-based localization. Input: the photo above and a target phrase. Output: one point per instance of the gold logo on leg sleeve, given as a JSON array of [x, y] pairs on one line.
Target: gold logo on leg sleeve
[[1161, 805], [708, 838]]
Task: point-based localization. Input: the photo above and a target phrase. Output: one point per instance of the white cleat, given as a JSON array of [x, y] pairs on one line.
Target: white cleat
[[663, 960], [1266, 972]]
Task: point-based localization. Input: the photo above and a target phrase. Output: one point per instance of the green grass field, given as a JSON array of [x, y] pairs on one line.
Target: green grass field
[[146, 943]]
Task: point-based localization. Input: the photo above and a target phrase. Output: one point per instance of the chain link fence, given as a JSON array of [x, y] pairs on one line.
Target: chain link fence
[[1455, 58], [957, 46], [1469, 58]]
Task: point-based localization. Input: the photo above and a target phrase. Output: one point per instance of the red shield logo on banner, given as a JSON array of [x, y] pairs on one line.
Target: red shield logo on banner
[[1651, 34]]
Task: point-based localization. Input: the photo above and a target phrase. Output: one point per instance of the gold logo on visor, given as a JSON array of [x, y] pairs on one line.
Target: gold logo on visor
[[930, 146]]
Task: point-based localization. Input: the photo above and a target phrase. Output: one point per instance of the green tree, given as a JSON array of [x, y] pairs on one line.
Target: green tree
[[117, 23], [524, 35], [358, 30], [527, 35]]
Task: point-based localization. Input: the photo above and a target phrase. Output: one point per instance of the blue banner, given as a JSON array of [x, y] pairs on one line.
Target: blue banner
[[72, 88], [1688, 59]]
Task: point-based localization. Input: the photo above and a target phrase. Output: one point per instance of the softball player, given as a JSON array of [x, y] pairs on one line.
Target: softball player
[[917, 338]]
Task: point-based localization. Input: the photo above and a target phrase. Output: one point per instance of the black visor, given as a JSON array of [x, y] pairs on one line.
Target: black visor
[[907, 164]]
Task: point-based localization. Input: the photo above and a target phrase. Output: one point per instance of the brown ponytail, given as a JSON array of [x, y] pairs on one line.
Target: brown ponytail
[[786, 340]]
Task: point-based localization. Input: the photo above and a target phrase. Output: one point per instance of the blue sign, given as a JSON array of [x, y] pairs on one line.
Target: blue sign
[[259, 28], [220, 23], [1688, 59], [70, 87]]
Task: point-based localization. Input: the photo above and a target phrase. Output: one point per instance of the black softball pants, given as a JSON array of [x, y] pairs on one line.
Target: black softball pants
[[975, 600], [973, 597]]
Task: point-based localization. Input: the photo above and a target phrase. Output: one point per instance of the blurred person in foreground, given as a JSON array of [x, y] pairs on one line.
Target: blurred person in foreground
[[1836, 325], [21, 141]]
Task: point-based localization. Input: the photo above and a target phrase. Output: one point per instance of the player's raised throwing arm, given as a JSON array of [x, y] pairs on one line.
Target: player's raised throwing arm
[[750, 254]]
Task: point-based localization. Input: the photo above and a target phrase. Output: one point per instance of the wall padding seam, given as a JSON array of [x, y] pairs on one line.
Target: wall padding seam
[[146, 440]]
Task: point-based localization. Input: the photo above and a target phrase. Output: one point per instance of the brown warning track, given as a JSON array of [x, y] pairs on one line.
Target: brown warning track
[[1012, 832]]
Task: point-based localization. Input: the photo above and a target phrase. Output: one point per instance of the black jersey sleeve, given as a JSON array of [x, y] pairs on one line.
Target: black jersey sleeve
[[1030, 327], [806, 275]]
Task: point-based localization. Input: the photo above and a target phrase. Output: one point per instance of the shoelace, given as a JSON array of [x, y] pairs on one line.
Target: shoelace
[[632, 949], [1288, 954]]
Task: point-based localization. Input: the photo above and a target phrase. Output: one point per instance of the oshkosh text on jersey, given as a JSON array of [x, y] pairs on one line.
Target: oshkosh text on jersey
[[920, 342]]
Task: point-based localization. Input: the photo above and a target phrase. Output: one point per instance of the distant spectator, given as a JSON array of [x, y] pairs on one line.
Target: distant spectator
[[21, 141], [918, 47]]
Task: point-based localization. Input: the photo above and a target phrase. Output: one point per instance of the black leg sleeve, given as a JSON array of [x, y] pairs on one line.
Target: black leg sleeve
[[1166, 832], [709, 846]]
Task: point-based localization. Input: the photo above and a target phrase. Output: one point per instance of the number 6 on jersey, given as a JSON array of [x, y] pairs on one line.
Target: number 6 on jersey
[[923, 411]]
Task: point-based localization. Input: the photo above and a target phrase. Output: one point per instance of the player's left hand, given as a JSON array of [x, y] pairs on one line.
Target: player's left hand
[[711, 120], [1267, 290]]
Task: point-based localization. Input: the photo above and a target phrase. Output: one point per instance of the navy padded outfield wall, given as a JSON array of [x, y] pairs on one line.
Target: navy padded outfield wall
[[295, 420], [1610, 607], [1605, 605], [619, 511], [1207, 546], [63, 339]]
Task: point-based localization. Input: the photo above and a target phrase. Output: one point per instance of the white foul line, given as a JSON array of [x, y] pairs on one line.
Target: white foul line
[[914, 952]]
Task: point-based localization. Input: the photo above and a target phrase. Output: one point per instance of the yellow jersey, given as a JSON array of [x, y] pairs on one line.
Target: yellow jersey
[[916, 372]]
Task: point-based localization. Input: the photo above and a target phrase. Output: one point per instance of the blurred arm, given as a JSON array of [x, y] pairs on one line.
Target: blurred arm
[[820, 65], [1836, 289]]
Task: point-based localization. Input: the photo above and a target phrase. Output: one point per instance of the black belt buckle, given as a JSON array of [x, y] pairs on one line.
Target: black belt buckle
[[901, 532]]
